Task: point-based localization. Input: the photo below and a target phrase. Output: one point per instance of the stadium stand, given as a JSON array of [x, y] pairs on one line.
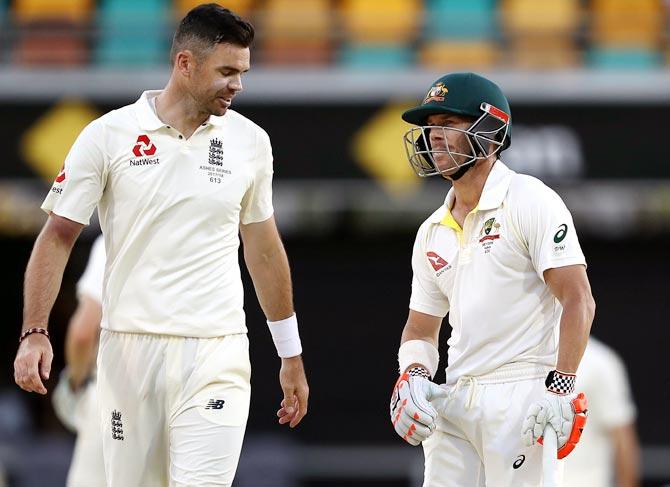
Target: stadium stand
[[435, 34], [460, 33], [133, 32], [295, 32], [51, 32]]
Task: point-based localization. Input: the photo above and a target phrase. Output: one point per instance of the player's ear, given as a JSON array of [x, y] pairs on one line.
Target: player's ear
[[184, 62]]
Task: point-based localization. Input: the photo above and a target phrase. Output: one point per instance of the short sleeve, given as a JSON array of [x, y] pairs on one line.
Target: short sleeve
[[257, 201], [426, 295], [548, 230], [80, 183], [90, 283]]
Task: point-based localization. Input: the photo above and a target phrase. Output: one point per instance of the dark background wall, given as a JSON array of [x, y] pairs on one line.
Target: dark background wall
[[351, 294], [352, 286]]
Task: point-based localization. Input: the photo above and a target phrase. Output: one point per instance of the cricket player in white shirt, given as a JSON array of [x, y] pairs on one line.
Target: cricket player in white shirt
[[75, 398], [501, 256], [177, 177], [609, 451]]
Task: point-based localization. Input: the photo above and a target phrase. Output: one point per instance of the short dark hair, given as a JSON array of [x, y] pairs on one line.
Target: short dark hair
[[207, 25]]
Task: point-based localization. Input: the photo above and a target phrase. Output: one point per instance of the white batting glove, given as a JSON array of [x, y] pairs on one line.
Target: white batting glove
[[412, 415], [560, 407], [66, 401]]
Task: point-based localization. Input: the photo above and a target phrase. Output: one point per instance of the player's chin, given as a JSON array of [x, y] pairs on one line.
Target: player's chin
[[445, 164], [219, 107]]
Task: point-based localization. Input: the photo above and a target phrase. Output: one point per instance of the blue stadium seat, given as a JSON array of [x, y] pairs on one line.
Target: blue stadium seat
[[133, 32], [376, 56], [623, 58], [461, 19]]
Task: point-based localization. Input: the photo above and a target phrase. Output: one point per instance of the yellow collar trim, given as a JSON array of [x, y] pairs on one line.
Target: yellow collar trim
[[449, 221]]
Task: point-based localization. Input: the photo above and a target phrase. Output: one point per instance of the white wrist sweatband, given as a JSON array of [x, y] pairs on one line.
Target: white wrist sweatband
[[286, 337], [418, 352]]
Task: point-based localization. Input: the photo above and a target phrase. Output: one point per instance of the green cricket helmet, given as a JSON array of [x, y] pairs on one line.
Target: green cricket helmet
[[465, 94]]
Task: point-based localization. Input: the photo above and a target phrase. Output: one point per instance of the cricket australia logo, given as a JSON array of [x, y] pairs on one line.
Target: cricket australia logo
[[436, 93], [216, 152], [489, 233], [117, 426]]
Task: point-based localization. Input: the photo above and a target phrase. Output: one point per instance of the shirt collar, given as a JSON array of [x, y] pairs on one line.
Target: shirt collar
[[495, 189], [145, 113], [149, 120]]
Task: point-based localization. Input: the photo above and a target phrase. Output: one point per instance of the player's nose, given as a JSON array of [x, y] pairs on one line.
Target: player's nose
[[437, 137], [235, 84]]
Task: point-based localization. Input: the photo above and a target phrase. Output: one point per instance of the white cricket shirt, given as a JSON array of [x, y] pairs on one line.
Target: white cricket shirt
[[489, 275], [170, 210], [602, 377], [90, 282]]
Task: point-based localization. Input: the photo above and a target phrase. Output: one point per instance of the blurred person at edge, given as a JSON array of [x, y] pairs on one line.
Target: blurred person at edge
[[609, 452], [177, 178], [75, 398], [501, 256]]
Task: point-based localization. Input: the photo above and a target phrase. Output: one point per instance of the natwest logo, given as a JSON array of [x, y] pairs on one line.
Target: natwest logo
[[144, 146], [436, 261], [61, 175]]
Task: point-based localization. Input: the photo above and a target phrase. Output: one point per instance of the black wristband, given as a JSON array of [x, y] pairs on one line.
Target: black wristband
[[419, 372], [560, 382]]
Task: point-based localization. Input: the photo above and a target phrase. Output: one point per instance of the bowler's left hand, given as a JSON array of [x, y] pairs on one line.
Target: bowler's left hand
[[296, 391]]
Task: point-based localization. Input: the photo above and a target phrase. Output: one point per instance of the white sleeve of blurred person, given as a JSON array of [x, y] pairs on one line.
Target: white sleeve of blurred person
[[609, 452], [81, 340]]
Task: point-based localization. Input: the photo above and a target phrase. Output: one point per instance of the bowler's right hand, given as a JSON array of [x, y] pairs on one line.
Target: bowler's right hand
[[412, 415], [33, 363]]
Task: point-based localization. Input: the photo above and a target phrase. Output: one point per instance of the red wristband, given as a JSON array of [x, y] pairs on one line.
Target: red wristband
[[30, 331]]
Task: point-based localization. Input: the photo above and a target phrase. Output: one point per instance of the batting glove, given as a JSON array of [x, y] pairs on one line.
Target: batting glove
[[412, 415], [560, 407], [66, 401]]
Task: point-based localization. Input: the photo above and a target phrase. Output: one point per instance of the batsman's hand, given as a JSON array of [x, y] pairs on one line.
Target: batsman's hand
[[296, 391], [567, 415], [32, 364], [412, 414]]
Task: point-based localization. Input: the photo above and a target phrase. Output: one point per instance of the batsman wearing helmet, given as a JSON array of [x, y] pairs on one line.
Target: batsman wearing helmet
[[501, 256]]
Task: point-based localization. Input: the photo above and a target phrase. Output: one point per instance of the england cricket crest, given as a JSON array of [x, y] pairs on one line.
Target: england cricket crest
[[215, 152], [489, 233], [436, 93], [117, 426]]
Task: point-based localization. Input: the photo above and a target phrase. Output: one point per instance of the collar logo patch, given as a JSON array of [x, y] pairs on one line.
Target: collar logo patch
[[436, 261], [436, 93]]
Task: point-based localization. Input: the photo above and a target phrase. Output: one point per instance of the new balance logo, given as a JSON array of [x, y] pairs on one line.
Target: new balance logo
[[117, 426], [215, 404]]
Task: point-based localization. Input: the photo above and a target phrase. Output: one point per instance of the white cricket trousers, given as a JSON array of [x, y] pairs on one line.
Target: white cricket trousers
[[477, 440], [173, 409], [87, 468]]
